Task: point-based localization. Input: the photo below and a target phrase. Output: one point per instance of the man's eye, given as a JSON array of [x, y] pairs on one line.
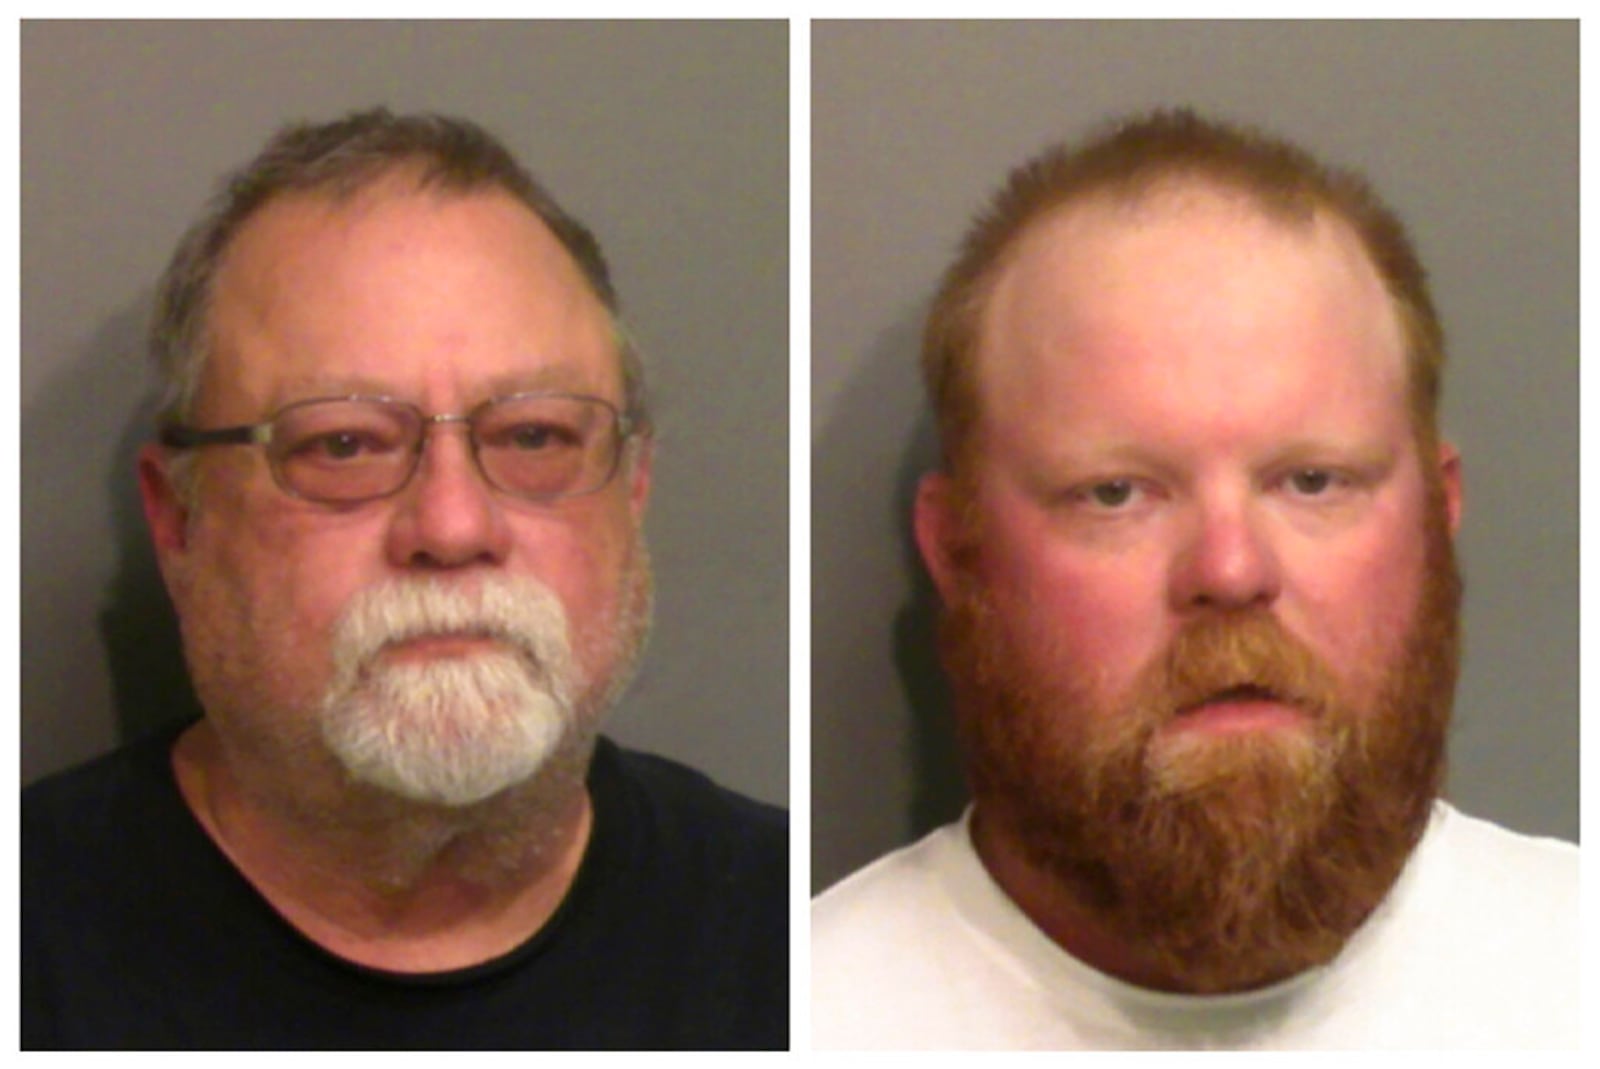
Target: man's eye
[[1114, 493], [534, 437], [339, 445], [1311, 482]]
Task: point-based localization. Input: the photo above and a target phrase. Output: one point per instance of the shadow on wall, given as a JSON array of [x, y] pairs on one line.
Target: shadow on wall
[[150, 681], [144, 653], [100, 644], [939, 790], [885, 768]]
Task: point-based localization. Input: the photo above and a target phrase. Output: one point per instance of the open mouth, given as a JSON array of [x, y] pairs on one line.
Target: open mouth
[[1242, 703]]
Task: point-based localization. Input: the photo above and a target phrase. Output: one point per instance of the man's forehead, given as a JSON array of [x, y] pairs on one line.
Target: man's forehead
[[1097, 222], [1183, 254], [310, 300], [294, 220]]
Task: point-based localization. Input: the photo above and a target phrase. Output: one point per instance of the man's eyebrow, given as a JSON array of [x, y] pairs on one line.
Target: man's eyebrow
[[1363, 452], [1051, 468], [310, 387], [1077, 454], [554, 378], [1079, 457], [563, 378]]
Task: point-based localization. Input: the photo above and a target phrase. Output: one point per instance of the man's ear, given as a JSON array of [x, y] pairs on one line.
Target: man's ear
[[938, 524], [1450, 481], [639, 469], [166, 513]]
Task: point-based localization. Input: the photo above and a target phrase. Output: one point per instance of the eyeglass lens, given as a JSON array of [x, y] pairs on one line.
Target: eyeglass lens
[[536, 447]]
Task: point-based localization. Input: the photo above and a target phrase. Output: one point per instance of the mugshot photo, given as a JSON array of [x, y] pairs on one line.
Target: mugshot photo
[[405, 534], [1195, 534]]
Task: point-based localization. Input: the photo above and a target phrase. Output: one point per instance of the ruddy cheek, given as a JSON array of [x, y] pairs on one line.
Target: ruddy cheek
[[1360, 613], [1083, 617]]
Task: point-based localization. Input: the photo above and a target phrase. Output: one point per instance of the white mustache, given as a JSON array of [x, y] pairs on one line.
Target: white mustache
[[520, 612]]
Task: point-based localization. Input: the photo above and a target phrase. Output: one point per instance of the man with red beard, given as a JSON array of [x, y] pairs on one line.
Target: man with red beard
[[397, 500], [1194, 539]]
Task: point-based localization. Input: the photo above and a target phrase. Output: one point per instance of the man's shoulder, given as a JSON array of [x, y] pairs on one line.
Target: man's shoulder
[[99, 837], [688, 883], [883, 889], [113, 867], [1477, 944], [1487, 865], [672, 781], [914, 909], [914, 951], [1465, 825], [681, 803], [104, 795]]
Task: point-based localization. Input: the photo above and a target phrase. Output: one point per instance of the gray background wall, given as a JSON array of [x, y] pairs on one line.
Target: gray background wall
[[669, 139], [1471, 132]]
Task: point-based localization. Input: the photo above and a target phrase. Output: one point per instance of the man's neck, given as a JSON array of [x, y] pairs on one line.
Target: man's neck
[[390, 885]]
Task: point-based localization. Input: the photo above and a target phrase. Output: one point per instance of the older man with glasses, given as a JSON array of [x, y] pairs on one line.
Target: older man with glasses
[[397, 500]]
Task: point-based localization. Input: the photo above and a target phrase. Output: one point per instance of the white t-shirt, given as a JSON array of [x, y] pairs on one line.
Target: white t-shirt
[[1476, 946]]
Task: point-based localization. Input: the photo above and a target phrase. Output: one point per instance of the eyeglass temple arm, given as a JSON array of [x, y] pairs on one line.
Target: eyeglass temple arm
[[177, 436]]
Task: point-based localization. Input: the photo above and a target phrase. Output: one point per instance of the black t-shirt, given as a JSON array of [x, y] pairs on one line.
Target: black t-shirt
[[138, 933]]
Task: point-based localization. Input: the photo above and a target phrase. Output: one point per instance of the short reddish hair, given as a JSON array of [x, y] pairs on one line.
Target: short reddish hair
[[1128, 159]]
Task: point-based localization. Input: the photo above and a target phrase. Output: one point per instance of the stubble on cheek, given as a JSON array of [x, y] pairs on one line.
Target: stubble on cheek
[[612, 647], [259, 653]]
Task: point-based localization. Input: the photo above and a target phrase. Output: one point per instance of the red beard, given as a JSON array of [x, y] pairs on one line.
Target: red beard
[[1226, 861]]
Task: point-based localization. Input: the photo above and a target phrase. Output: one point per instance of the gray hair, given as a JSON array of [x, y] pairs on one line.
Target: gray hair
[[341, 158]]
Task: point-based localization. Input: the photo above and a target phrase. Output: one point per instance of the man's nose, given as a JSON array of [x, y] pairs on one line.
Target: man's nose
[[1227, 558], [448, 516]]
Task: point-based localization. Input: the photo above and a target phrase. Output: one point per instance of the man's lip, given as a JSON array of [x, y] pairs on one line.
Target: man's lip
[[440, 644], [1239, 693], [1246, 706]]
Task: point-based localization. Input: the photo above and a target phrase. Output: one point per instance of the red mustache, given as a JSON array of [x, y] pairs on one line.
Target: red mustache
[[1238, 656]]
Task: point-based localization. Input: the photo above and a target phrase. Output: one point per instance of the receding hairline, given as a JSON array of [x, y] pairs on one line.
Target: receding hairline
[[345, 204], [342, 204], [338, 157], [1174, 198], [1054, 267], [952, 367]]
